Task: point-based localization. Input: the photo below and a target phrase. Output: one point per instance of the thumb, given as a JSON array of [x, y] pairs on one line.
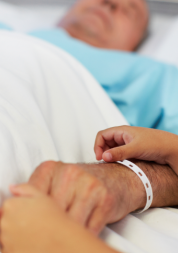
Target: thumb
[[24, 190], [120, 153]]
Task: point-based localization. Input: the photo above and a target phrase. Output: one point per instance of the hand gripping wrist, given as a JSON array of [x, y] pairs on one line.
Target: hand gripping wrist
[[145, 181]]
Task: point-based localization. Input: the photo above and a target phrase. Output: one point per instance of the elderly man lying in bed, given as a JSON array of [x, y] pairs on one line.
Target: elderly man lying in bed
[[97, 32]]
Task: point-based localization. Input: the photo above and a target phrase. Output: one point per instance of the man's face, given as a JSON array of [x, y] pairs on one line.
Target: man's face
[[112, 24]]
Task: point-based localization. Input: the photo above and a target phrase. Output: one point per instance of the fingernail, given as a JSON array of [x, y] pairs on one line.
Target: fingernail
[[108, 156]]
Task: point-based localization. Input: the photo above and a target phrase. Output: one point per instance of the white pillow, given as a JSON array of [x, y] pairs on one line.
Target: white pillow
[[28, 18], [158, 31], [162, 44], [168, 49]]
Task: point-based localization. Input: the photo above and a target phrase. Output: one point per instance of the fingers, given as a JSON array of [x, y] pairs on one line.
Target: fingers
[[102, 213], [125, 142], [24, 190], [81, 209], [42, 176], [74, 191], [97, 221], [88, 195], [90, 209], [110, 138], [64, 185], [104, 141], [101, 142], [121, 153], [78, 194]]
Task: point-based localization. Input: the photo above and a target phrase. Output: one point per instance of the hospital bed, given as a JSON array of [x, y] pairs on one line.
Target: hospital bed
[[155, 231]]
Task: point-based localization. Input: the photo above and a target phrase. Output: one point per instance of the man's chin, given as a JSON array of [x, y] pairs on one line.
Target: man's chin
[[89, 28], [89, 34]]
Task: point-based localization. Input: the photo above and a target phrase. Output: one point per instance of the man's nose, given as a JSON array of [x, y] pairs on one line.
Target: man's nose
[[112, 4]]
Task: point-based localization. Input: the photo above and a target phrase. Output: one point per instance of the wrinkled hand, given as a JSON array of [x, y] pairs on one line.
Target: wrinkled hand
[[93, 195], [125, 142]]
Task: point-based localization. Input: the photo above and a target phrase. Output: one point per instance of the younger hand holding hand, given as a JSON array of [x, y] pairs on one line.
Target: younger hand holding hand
[[125, 142], [32, 222], [28, 220]]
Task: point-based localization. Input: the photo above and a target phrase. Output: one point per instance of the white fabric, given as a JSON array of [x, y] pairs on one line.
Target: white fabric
[[28, 18], [158, 32], [41, 115], [168, 50], [162, 44], [52, 108]]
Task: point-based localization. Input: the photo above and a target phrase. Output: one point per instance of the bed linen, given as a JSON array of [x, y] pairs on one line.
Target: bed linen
[[23, 18], [40, 100], [168, 50], [43, 91]]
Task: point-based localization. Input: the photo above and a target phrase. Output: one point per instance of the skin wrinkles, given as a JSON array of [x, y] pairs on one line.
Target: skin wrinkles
[[92, 195], [110, 24]]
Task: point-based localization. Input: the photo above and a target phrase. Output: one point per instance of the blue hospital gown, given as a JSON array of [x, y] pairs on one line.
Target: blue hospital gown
[[145, 91]]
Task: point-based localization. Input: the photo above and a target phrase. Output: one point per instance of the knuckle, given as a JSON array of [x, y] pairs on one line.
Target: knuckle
[[97, 189], [93, 184], [72, 171], [45, 169], [91, 187], [99, 133], [126, 126], [47, 166], [67, 178]]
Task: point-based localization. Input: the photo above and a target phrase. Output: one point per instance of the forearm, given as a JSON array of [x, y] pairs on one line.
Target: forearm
[[163, 179], [164, 182]]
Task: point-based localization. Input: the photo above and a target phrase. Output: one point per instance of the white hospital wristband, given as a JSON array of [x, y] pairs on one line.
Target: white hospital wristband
[[145, 181]]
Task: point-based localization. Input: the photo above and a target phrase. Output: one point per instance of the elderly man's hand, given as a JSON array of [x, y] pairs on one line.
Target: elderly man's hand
[[93, 195], [97, 194]]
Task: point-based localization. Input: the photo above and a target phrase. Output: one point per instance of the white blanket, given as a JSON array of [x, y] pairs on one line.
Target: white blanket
[[52, 108]]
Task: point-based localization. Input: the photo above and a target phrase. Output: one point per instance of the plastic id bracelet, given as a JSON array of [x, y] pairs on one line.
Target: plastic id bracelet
[[145, 181]]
